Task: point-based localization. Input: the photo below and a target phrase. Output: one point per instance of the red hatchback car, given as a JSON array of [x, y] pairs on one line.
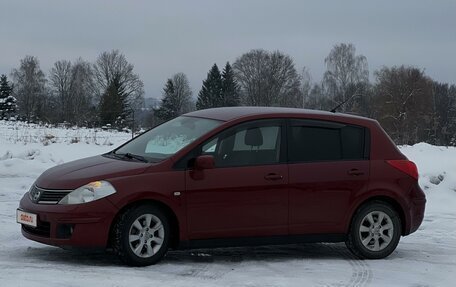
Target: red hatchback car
[[229, 177]]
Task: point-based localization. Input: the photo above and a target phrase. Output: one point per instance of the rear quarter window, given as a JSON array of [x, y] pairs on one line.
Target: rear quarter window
[[353, 139], [310, 141]]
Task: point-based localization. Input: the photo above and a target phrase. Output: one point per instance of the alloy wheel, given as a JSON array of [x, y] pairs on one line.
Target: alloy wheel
[[376, 230], [146, 235]]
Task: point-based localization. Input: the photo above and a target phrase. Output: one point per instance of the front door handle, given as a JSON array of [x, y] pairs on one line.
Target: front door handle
[[355, 172], [273, 176]]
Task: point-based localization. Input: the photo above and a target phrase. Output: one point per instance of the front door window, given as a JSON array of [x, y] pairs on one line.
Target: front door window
[[248, 146]]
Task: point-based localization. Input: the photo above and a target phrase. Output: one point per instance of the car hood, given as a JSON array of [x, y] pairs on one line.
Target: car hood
[[76, 173]]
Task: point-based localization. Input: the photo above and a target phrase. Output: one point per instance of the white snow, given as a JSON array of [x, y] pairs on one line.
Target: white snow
[[425, 258]]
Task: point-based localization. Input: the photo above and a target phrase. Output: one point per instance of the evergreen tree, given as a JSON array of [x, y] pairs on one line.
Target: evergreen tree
[[115, 80], [8, 104], [230, 89], [112, 104], [177, 98], [210, 95], [167, 110]]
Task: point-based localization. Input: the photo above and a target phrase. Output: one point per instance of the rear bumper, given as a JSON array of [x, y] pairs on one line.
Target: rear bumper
[[417, 208], [84, 225], [417, 214]]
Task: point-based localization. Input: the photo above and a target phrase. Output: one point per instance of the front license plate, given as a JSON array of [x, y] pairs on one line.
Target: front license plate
[[26, 218]]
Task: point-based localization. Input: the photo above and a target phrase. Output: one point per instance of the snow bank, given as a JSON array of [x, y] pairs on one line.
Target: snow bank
[[25, 133], [437, 170], [26, 150]]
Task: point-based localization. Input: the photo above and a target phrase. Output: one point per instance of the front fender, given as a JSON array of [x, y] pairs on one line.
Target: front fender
[[166, 188]]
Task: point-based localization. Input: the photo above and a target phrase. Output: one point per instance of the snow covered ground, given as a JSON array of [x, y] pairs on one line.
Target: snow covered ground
[[425, 258]]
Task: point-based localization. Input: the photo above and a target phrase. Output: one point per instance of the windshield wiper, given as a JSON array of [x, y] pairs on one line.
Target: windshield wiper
[[135, 156], [132, 156]]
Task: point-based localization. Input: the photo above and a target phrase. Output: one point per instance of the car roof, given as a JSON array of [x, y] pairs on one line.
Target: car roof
[[232, 113]]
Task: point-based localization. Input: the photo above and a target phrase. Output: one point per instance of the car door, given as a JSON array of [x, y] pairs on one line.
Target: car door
[[246, 194], [328, 166]]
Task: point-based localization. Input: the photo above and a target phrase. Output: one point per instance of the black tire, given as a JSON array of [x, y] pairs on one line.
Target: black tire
[[375, 247], [125, 225]]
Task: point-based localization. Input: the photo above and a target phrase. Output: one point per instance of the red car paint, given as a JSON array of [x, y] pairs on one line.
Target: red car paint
[[250, 201]]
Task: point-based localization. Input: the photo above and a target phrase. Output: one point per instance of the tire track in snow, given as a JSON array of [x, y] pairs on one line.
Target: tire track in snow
[[202, 266], [361, 271], [202, 263]]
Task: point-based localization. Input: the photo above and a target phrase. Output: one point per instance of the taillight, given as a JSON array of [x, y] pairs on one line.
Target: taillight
[[404, 165]]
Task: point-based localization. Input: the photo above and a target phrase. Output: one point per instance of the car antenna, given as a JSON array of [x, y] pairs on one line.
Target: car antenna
[[333, 110]]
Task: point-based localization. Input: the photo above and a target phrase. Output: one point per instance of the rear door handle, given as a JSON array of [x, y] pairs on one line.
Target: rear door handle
[[355, 172], [273, 176]]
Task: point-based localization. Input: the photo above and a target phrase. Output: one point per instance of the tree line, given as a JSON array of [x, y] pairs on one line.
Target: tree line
[[410, 105], [79, 92]]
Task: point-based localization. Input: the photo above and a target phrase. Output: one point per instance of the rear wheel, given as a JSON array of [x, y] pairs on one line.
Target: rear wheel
[[375, 231], [141, 235]]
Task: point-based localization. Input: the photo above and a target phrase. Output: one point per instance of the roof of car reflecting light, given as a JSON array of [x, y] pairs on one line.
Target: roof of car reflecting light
[[231, 113]]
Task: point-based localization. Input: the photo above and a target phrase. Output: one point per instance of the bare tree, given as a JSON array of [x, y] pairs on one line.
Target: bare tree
[[183, 93], [268, 79], [443, 120], [72, 86], [29, 87], [403, 101], [60, 82], [114, 77], [346, 74], [82, 92], [306, 86]]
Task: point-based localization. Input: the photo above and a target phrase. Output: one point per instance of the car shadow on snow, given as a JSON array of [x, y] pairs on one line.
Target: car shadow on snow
[[50, 254], [261, 253], [272, 253]]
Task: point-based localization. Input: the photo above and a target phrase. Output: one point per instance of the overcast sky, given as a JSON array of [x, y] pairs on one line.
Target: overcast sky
[[164, 37]]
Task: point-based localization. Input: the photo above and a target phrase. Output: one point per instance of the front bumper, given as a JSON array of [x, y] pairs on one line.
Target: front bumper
[[83, 225]]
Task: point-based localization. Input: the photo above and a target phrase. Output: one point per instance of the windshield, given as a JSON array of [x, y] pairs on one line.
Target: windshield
[[168, 138]]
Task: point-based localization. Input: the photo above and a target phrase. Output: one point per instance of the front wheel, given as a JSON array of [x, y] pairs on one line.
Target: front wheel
[[141, 235], [375, 231]]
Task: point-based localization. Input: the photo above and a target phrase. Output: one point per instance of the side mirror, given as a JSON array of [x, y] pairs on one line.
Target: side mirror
[[204, 162]]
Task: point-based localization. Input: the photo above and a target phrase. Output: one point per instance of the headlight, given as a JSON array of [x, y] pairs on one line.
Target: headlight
[[89, 192]]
